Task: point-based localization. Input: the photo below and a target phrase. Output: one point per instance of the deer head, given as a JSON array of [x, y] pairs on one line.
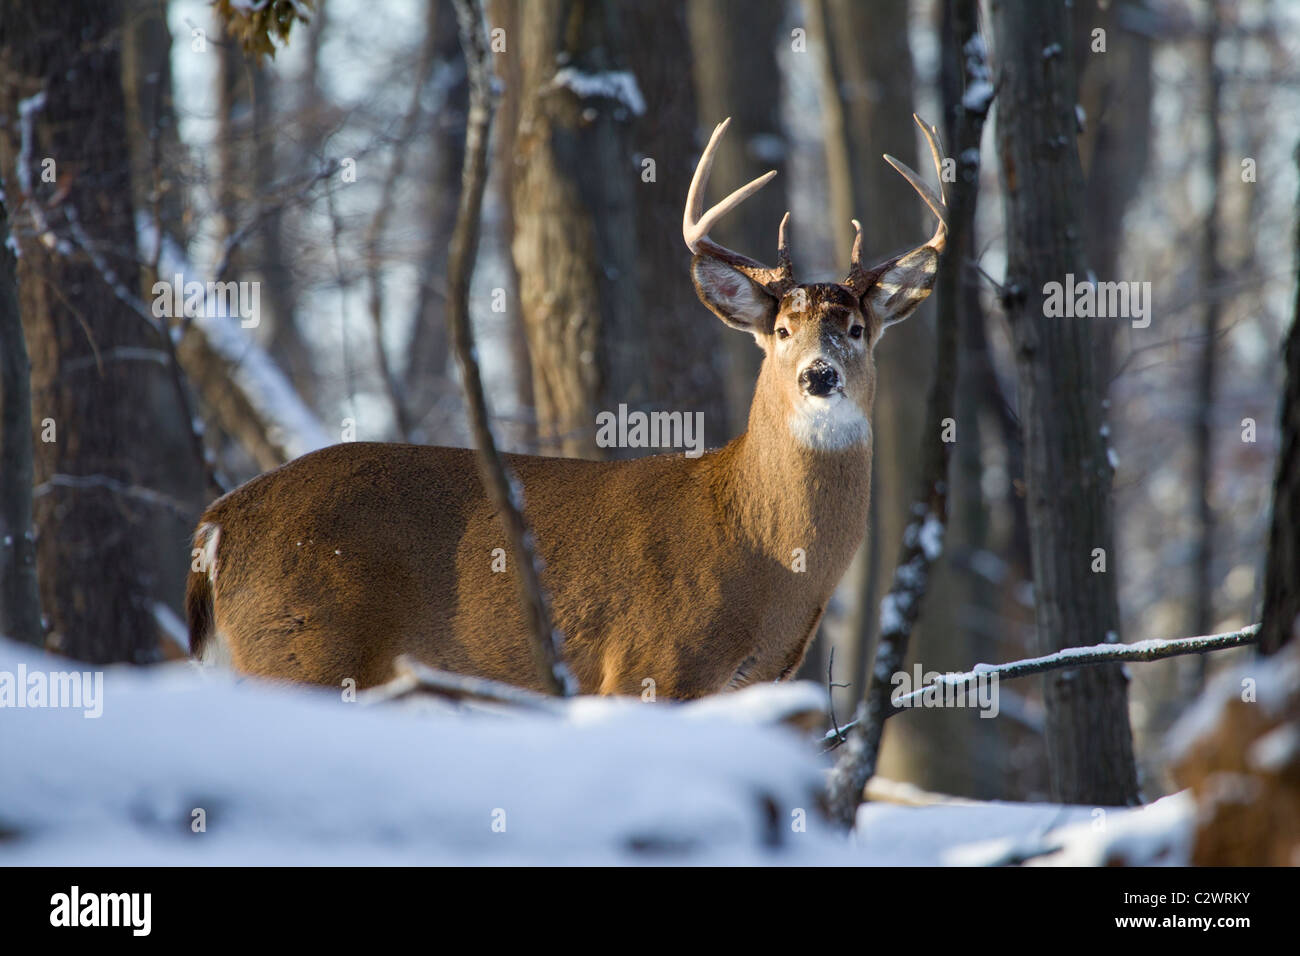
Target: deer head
[[817, 338]]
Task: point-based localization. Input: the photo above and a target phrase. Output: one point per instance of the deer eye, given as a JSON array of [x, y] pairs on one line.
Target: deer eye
[[782, 333], [855, 332]]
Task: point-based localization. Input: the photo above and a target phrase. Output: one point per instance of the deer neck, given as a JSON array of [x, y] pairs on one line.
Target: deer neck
[[783, 498]]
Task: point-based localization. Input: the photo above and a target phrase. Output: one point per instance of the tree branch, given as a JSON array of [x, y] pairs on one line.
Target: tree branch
[[1142, 651]]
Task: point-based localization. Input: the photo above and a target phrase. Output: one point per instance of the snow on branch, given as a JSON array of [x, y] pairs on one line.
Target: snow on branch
[[617, 85], [1153, 650], [264, 412], [1141, 651]]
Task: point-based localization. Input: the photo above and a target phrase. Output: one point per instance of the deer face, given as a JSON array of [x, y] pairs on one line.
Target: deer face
[[819, 351], [817, 338], [818, 341]]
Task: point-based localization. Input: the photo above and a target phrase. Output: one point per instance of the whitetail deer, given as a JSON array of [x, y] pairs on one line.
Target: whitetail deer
[[699, 574]]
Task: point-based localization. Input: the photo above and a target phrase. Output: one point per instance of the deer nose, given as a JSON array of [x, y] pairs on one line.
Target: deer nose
[[819, 378]]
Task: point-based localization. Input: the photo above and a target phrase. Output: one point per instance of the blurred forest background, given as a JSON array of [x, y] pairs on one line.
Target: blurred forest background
[[330, 175]]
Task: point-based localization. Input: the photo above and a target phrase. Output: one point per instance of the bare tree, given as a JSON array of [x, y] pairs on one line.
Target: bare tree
[[574, 220], [1067, 472], [603, 149], [104, 404]]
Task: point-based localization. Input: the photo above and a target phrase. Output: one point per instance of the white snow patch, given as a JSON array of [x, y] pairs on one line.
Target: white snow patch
[[294, 775], [932, 537], [617, 85]]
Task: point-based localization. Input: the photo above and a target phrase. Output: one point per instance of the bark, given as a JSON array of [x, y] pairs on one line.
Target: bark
[[673, 359], [523, 430], [20, 600], [1281, 616], [1067, 474], [104, 549], [574, 210], [603, 284]]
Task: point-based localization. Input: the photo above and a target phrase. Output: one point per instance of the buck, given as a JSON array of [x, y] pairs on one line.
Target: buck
[[701, 574]]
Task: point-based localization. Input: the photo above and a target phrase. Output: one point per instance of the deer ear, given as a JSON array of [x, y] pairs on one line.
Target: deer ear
[[732, 296], [902, 285]]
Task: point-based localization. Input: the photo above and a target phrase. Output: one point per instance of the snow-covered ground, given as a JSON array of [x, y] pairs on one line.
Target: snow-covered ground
[[287, 775]]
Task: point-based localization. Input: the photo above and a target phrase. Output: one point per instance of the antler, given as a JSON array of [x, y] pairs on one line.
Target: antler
[[696, 224], [860, 279]]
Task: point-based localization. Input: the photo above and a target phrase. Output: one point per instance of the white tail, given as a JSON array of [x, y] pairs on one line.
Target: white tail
[[688, 575]]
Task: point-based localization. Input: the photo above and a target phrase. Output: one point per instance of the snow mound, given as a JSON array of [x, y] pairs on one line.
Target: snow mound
[[290, 775]]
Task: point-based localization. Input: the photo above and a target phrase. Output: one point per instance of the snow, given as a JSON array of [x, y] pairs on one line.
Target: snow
[[977, 96], [979, 85], [617, 85], [932, 537], [290, 775], [1271, 688], [891, 617], [297, 776], [292, 425], [992, 833]]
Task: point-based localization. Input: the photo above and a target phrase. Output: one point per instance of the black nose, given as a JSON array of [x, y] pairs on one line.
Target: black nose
[[819, 378]]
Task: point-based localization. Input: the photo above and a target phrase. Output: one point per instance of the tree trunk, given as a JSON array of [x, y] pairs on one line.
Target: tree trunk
[[95, 404], [1281, 616], [1067, 474], [603, 282], [673, 360], [20, 600]]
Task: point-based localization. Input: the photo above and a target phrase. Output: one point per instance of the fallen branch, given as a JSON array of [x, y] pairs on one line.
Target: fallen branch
[[1142, 651], [415, 678], [545, 640]]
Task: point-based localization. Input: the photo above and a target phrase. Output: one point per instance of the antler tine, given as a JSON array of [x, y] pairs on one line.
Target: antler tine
[[860, 278], [938, 205], [783, 244], [696, 223]]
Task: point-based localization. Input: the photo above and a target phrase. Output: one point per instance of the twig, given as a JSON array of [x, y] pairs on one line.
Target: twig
[[830, 693], [546, 641], [1142, 651]]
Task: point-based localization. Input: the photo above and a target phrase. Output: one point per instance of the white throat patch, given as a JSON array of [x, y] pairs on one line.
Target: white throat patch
[[828, 424]]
